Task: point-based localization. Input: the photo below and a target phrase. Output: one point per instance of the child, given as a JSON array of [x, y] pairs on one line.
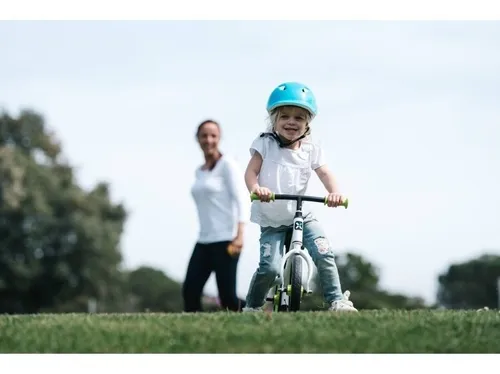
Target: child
[[281, 162]]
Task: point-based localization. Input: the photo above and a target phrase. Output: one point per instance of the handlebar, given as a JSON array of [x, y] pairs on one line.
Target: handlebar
[[316, 199]]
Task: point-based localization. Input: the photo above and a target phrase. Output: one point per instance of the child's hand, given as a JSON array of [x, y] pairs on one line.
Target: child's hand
[[334, 199], [263, 193]]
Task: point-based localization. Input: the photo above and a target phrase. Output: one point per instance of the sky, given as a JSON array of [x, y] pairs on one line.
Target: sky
[[409, 116]]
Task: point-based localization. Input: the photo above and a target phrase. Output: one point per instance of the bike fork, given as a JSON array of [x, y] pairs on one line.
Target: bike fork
[[278, 294]]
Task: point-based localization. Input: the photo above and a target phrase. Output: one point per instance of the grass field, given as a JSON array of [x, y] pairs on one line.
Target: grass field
[[311, 332]]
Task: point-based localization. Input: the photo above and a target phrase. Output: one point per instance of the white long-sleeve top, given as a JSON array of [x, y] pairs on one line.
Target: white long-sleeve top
[[221, 199]]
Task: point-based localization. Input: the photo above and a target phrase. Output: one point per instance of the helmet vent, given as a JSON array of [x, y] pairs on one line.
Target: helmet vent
[[282, 88]]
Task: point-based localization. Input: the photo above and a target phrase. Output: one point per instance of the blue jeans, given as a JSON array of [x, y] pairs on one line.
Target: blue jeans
[[271, 252]]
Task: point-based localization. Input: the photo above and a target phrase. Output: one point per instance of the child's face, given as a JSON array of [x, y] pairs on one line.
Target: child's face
[[291, 122]]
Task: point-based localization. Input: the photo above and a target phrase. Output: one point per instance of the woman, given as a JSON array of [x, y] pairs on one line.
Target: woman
[[223, 209]]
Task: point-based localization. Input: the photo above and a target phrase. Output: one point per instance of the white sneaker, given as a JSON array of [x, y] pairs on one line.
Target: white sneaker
[[343, 305], [247, 309]]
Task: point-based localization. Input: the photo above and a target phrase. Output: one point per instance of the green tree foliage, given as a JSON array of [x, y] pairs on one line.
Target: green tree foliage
[[471, 284], [361, 278], [357, 273], [153, 291], [58, 242]]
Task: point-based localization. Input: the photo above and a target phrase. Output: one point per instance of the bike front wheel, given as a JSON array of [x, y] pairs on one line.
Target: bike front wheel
[[296, 284]]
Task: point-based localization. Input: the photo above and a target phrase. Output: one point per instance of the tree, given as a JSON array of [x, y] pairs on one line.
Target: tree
[[154, 291], [58, 243], [471, 284], [361, 278], [357, 273]]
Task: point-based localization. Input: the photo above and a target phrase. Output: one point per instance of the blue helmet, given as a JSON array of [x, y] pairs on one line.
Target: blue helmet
[[292, 93]]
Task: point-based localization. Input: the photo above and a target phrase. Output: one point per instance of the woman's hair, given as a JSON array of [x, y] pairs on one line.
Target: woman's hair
[[275, 114], [204, 123]]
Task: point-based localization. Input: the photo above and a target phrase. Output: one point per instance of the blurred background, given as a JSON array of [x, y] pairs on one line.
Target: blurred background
[[98, 153]]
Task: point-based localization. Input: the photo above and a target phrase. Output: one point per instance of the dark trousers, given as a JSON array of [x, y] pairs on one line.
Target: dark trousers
[[205, 259]]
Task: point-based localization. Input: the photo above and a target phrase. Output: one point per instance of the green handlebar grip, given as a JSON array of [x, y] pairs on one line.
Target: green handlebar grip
[[345, 204], [253, 197]]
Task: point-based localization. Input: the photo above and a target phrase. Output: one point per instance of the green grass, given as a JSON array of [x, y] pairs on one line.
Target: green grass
[[311, 332]]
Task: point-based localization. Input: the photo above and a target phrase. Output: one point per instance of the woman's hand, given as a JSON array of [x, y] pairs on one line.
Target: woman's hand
[[234, 248]]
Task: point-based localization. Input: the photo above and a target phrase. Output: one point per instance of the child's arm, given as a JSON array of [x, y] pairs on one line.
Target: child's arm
[[326, 177], [252, 172]]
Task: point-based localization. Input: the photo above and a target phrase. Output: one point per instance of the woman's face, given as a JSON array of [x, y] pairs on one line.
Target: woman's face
[[208, 138]]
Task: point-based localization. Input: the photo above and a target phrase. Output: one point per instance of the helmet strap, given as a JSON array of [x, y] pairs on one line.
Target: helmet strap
[[282, 143]]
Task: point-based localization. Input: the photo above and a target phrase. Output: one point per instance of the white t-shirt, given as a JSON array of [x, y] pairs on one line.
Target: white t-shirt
[[221, 199], [283, 171]]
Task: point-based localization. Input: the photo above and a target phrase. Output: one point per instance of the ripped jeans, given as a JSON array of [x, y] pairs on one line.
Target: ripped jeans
[[271, 252]]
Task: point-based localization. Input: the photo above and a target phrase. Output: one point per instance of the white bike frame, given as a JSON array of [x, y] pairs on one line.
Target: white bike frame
[[296, 250]]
